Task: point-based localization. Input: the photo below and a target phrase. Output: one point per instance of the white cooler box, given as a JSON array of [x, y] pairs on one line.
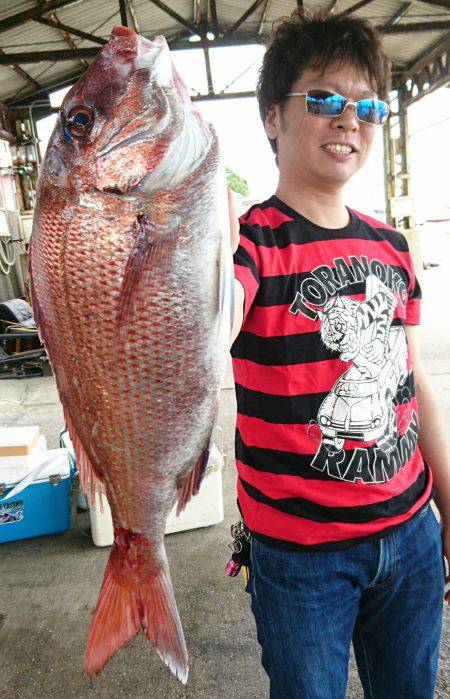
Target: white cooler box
[[19, 449], [203, 510]]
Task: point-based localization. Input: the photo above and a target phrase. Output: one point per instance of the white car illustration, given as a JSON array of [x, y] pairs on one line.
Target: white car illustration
[[360, 407]]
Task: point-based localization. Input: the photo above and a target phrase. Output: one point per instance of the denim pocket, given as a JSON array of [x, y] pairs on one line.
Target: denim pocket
[[424, 510]]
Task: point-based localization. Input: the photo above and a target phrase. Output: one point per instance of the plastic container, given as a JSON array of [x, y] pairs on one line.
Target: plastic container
[[43, 506], [102, 531], [19, 448], [203, 510]]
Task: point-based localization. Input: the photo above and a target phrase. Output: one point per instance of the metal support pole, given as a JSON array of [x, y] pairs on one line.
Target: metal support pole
[[123, 13], [208, 70], [399, 202]]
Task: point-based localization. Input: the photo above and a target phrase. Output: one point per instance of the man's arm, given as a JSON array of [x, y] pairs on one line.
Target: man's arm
[[239, 297], [238, 288], [433, 443]]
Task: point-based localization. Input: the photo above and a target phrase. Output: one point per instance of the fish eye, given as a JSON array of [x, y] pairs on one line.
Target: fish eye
[[79, 121]]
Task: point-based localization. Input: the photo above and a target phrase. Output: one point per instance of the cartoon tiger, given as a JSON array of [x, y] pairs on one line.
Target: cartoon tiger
[[344, 323], [339, 326], [360, 405]]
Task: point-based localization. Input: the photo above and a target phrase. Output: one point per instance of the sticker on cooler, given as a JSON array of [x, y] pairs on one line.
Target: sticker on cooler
[[11, 512]]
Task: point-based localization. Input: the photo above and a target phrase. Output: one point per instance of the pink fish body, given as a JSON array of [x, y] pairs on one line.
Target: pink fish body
[[131, 275]]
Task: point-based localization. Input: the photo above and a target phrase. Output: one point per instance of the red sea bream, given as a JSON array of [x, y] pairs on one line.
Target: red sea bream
[[131, 283]]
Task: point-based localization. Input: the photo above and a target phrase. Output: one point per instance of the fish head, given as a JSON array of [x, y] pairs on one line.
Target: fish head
[[128, 125]]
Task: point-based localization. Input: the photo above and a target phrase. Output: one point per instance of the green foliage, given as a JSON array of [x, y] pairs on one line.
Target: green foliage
[[236, 183]]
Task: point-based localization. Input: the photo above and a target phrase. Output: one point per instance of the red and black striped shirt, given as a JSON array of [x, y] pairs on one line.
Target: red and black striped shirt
[[327, 424]]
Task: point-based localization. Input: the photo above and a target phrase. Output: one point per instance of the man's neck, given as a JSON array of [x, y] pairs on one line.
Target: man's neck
[[326, 209]]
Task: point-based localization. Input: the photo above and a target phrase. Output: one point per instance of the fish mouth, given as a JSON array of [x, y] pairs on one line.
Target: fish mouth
[[141, 55], [132, 46], [165, 121]]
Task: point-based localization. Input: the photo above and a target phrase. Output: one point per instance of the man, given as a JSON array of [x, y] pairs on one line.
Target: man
[[334, 480]]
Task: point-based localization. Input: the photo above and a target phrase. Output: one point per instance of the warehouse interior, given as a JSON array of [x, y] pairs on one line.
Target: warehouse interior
[[51, 582]]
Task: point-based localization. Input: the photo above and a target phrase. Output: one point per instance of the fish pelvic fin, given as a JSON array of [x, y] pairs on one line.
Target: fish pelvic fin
[[136, 594]]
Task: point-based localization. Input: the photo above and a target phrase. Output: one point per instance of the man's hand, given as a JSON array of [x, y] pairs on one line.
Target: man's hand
[[234, 222]]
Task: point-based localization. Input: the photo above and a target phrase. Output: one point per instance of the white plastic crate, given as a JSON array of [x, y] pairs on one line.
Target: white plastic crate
[[203, 510]]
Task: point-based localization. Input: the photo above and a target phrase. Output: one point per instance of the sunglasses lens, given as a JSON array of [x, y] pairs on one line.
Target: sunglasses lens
[[373, 111], [325, 103]]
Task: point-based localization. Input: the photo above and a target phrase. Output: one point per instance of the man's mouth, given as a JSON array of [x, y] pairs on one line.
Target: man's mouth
[[341, 148]]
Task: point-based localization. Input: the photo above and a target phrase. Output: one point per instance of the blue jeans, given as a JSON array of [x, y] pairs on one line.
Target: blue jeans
[[386, 595]]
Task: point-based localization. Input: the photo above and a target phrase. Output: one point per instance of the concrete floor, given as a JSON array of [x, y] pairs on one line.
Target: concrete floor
[[50, 585]]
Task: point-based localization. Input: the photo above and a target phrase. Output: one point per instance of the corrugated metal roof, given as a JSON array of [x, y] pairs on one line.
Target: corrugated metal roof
[[99, 16]]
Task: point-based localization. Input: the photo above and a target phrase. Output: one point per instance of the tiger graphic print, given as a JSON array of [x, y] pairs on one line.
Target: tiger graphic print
[[360, 405]]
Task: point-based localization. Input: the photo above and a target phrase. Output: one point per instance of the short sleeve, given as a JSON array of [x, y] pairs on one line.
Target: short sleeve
[[246, 266], [413, 303]]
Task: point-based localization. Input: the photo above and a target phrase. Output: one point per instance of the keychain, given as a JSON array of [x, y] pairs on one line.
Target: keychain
[[240, 558]]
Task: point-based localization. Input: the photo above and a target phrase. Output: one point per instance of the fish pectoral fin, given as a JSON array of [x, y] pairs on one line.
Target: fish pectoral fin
[[152, 245], [136, 594], [189, 485]]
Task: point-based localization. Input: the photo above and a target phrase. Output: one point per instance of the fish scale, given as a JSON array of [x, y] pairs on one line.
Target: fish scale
[[131, 279]]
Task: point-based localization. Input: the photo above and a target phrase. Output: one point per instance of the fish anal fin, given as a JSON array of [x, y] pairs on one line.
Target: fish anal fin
[[189, 485], [136, 594]]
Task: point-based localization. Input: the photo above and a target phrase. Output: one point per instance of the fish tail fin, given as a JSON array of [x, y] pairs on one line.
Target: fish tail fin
[[162, 625], [116, 620], [136, 594]]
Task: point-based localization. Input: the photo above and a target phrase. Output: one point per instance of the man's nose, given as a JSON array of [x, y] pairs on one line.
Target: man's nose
[[347, 120]]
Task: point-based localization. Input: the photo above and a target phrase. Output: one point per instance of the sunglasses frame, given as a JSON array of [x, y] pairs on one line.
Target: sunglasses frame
[[347, 103]]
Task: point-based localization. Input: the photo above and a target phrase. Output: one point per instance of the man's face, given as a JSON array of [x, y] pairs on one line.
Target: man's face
[[302, 137]]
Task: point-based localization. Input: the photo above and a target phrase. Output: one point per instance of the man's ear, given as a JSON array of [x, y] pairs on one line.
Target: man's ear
[[272, 121]]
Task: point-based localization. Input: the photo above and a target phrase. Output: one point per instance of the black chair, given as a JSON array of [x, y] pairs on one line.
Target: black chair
[[16, 311], [19, 332], [20, 365]]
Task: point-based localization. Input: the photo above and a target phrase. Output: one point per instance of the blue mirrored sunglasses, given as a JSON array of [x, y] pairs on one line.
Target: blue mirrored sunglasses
[[324, 103]]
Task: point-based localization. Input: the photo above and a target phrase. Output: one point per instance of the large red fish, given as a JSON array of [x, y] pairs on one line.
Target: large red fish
[[131, 275]]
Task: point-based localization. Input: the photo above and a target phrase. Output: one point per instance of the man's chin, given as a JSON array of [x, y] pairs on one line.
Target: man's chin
[[336, 176]]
